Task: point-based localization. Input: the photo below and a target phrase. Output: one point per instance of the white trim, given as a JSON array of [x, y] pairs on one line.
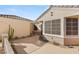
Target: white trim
[[62, 27], [43, 27], [53, 35], [71, 36]]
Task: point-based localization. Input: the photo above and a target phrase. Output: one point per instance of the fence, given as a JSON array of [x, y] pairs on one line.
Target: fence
[[6, 44]]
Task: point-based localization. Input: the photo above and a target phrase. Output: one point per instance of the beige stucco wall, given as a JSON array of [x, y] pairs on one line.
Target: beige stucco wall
[[49, 38], [21, 27], [58, 13], [58, 40], [55, 39]]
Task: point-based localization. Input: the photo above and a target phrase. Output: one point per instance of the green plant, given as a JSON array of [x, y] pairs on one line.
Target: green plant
[[10, 32]]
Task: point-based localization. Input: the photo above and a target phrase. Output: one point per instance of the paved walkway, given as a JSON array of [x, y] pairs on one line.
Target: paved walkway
[[49, 48]]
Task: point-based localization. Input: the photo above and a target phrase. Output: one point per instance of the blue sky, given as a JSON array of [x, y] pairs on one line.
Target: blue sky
[[27, 11]]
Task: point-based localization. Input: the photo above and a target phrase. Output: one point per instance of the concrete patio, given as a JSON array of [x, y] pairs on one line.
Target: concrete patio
[[27, 45], [49, 48]]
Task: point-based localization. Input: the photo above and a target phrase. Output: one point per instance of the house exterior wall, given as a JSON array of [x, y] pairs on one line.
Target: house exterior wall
[[53, 37], [58, 13], [56, 39], [21, 27], [71, 41]]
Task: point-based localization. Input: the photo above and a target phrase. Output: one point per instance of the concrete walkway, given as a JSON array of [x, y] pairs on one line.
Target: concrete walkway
[[28, 47], [49, 48]]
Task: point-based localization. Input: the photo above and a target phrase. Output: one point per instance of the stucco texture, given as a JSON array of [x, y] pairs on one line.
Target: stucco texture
[[21, 27]]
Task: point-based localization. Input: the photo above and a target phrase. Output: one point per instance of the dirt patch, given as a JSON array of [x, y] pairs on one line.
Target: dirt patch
[[34, 40]]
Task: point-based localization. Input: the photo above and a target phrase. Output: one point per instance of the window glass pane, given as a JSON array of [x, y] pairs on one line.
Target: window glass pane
[[68, 19], [56, 26], [71, 26], [52, 27], [74, 24], [68, 32], [48, 27], [68, 24]]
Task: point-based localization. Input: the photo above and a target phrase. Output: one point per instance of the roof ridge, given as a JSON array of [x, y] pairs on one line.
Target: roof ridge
[[66, 6]]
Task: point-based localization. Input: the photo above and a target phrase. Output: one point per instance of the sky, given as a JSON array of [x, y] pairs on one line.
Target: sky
[[27, 11]]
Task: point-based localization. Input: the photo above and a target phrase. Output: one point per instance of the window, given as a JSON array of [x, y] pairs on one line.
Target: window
[[48, 26], [71, 26], [56, 26], [52, 27]]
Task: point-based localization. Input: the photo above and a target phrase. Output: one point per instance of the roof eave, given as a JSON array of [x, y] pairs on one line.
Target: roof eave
[[44, 13]]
